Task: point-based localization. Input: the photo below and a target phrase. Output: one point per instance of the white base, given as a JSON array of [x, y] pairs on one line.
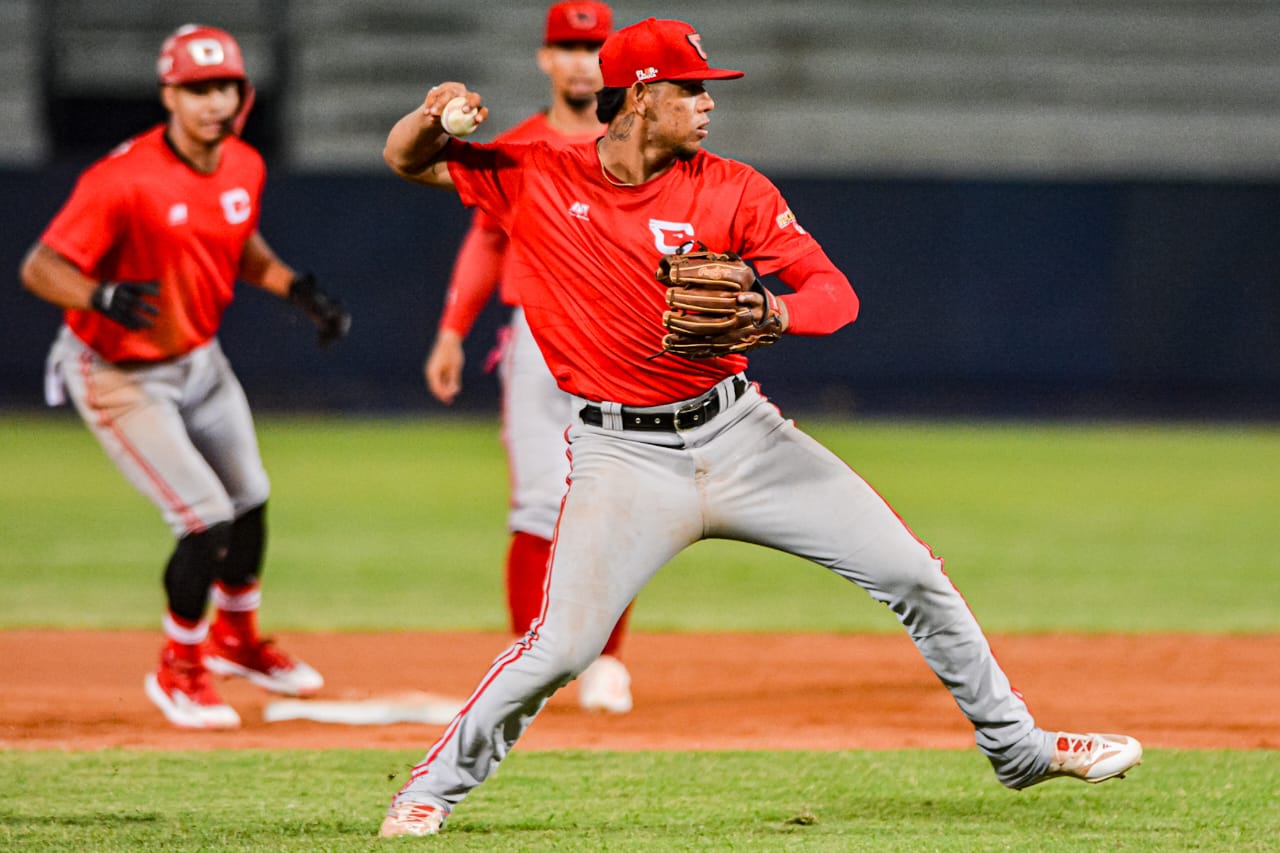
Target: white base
[[379, 711]]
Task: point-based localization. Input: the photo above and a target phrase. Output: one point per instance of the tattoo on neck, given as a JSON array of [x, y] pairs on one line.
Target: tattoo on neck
[[622, 128]]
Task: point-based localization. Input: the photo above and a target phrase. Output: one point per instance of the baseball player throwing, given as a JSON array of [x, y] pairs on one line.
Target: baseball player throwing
[[668, 448], [144, 257], [534, 409]]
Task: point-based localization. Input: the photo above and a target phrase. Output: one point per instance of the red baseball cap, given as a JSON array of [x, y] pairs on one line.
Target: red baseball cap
[[657, 50], [586, 23]]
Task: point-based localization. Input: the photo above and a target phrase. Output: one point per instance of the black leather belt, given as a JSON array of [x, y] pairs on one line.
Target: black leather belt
[[693, 414]]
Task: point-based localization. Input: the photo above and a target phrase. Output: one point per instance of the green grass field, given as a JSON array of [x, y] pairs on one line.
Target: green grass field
[[591, 801], [1132, 528], [398, 525]]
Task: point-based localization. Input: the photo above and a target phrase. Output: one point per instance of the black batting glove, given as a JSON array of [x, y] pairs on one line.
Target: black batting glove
[[126, 302], [331, 320]]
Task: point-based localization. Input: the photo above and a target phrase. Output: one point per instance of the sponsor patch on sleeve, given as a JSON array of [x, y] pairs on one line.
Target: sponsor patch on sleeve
[[786, 218]]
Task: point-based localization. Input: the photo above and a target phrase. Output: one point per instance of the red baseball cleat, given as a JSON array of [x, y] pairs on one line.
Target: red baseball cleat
[[184, 692], [261, 662]]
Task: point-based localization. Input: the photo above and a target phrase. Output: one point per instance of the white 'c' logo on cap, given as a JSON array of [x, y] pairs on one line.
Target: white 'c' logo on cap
[[206, 51]]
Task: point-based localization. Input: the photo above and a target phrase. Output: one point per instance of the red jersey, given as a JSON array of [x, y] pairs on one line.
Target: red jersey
[[584, 250], [478, 269], [142, 214]]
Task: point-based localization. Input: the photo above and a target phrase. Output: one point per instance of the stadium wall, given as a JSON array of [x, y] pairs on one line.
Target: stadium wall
[[1075, 299]]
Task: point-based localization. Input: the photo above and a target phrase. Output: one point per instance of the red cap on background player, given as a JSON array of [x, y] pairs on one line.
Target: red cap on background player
[[194, 53], [578, 23], [657, 50]]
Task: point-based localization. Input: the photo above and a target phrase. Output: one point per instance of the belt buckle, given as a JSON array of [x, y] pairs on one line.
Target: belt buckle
[[692, 415]]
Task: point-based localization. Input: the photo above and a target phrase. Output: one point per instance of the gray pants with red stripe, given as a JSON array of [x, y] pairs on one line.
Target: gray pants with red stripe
[[180, 430], [636, 499]]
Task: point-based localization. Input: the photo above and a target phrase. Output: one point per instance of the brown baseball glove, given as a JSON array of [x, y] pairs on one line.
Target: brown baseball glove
[[706, 319]]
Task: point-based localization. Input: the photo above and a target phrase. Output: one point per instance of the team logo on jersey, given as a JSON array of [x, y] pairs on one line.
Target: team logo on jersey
[[670, 236], [786, 218], [578, 210], [178, 214], [236, 205]]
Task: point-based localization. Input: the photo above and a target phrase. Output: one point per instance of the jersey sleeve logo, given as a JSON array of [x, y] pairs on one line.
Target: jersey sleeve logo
[[121, 149], [786, 218], [668, 237], [236, 205]]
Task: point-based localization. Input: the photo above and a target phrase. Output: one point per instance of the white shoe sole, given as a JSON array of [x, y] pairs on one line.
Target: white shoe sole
[[186, 714], [605, 686], [1128, 756], [608, 704]]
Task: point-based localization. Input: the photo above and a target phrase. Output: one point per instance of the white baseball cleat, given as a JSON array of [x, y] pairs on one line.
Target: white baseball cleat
[[605, 686], [412, 819], [1093, 757]]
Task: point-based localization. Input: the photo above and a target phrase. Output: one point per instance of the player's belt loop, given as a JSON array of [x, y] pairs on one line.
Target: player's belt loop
[[611, 416]]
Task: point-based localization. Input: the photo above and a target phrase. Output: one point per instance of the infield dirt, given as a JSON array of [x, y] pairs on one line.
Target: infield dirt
[[82, 690]]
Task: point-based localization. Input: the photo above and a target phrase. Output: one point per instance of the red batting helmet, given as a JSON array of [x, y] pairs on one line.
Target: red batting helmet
[[195, 52]]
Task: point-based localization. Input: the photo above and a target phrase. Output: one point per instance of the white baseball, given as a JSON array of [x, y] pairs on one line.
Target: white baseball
[[454, 121]]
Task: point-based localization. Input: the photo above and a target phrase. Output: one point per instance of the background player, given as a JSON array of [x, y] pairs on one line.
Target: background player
[[666, 451], [143, 257], [534, 409]]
